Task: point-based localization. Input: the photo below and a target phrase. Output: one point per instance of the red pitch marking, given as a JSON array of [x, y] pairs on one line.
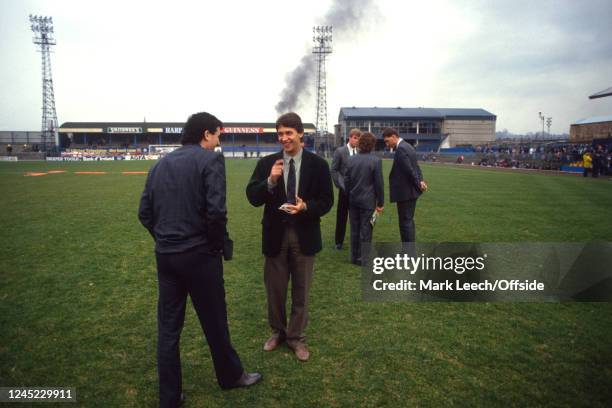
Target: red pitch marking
[[89, 172], [56, 171], [30, 174], [134, 172]]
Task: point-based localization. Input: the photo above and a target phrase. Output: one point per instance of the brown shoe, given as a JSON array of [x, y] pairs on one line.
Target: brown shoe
[[272, 342], [301, 352]]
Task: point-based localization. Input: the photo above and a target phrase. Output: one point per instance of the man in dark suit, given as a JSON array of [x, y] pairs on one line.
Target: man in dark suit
[[366, 193], [183, 207], [406, 182], [295, 188], [338, 170]]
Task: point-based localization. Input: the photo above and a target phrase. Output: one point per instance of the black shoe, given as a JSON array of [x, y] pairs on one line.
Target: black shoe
[[356, 262], [338, 247], [245, 380]]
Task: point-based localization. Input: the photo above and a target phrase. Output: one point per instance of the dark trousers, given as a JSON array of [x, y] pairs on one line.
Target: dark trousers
[[341, 215], [361, 230], [289, 264], [201, 276], [405, 214]]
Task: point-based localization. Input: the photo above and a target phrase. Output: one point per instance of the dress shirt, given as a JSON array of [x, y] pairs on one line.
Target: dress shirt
[[398, 142], [352, 150], [297, 163]]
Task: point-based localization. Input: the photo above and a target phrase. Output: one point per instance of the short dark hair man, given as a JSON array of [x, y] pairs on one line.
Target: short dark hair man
[[338, 171], [406, 182], [295, 188], [183, 207]]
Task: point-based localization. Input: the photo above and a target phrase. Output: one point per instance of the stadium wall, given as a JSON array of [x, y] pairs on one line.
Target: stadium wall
[[468, 132], [581, 133]]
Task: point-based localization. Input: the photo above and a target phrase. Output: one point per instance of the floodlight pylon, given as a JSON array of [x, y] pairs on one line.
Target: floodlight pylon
[[42, 27]]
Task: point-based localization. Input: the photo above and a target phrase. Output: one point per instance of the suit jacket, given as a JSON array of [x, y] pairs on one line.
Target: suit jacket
[[183, 203], [405, 177], [338, 167], [364, 181], [315, 188]]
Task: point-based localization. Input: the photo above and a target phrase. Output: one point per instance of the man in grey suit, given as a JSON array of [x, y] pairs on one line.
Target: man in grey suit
[[366, 193], [406, 182], [338, 170]]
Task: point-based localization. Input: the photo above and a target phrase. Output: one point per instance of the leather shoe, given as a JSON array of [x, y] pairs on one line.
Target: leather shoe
[[301, 352], [272, 342], [245, 380], [338, 247]]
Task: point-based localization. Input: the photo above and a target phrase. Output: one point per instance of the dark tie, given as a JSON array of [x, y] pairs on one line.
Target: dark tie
[[291, 184]]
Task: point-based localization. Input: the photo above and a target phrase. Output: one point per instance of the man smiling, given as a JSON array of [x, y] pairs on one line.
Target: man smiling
[[295, 188]]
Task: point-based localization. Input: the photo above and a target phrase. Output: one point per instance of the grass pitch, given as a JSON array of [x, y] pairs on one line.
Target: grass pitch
[[78, 299]]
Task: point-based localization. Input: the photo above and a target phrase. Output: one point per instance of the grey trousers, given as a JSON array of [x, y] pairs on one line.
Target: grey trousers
[[289, 265], [361, 230]]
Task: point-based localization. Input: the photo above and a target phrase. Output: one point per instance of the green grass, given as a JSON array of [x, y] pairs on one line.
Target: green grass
[[79, 291]]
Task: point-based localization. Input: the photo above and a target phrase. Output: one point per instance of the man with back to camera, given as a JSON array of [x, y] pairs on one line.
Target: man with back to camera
[[294, 185], [184, 208], [338, 171], [366, 193], [406, 182]]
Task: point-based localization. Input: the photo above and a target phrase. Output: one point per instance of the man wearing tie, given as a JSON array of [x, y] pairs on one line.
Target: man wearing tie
[[338, 172], [295, 188], [405, 182]]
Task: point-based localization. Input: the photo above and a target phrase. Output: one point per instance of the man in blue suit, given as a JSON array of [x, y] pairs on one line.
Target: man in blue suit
[[406, 182]]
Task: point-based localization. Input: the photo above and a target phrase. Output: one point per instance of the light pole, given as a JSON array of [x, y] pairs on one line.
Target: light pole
[[548, 123], [322, 39], [42, 27]]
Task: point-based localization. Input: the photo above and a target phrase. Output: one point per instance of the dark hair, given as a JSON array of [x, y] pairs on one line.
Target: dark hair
[[388, 132], [290, 120], [193, 131], [367, 141]]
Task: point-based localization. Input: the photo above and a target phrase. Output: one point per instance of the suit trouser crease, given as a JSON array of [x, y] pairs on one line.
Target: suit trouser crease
[[289, 265], [341, 216], [361, 229], [200, 276], [405, 215]]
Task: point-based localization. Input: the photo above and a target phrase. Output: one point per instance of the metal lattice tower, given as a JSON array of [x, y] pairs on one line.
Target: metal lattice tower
[[322, 38], [42, 27]]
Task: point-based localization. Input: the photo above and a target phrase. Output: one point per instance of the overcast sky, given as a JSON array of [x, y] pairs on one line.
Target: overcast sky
[[161, 60]]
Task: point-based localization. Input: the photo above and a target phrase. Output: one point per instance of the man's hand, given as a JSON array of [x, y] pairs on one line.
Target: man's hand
[[379, 210], [423, 186], [298, 207], [276, 171]]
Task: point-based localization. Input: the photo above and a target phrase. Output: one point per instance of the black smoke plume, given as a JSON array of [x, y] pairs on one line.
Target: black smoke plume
[[344, 16]]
